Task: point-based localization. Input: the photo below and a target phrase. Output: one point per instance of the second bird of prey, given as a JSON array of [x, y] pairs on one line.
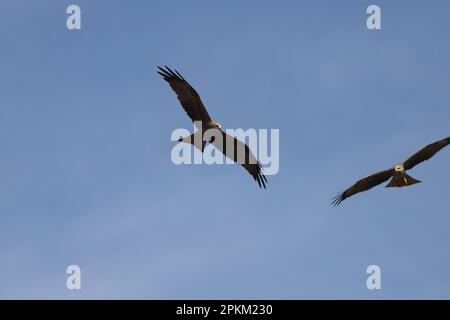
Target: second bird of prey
[[397, 173], [194, 107]]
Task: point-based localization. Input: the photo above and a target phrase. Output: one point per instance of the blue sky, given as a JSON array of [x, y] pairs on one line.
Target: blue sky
[[85, 170]]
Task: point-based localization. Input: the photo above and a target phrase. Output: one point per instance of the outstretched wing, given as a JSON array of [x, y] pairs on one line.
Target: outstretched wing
[[363, 185], [240, 153], [426, 153], [188, 97]]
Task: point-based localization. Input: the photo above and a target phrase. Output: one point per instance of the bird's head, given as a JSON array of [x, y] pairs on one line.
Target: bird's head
[[399, 168], [216, 125]]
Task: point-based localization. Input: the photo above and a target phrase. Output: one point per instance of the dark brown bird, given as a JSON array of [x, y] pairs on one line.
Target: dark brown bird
[[230, 146], [397, 173]]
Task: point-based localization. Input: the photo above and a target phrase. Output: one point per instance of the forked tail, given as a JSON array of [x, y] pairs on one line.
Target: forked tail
[[402, 181], [195, 139]]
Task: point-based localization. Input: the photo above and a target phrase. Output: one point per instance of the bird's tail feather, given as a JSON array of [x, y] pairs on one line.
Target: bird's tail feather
[[402, 181], [195, 139]]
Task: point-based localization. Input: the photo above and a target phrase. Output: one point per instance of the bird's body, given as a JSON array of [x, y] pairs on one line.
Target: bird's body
[[230, 146], [400, 178], [398, 175]]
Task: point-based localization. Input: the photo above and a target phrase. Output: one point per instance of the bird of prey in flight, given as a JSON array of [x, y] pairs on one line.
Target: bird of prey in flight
[[397, 173], [230, 146]]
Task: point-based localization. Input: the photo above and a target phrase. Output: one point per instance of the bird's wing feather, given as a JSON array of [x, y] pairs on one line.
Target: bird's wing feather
[[364, 185], [240, 153], [426, 153], [188, 97]]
